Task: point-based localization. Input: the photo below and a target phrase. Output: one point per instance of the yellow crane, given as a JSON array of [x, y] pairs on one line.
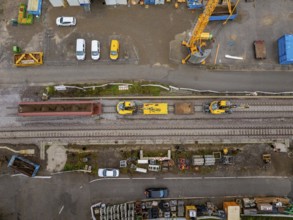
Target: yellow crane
[[194, 44]]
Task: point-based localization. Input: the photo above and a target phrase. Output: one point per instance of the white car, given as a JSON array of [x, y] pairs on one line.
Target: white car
[[108, 172], [95, 50], [66, 21], [80, 49]]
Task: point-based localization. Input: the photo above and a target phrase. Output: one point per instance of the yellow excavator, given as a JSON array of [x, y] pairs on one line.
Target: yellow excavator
[[221, 107], [126, 108], [130, 108], [195, 43]]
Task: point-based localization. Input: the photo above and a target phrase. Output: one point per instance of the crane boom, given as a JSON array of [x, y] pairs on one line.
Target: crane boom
[[194, 43]]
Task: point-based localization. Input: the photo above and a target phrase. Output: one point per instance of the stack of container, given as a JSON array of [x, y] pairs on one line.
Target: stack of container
[[285, 44]]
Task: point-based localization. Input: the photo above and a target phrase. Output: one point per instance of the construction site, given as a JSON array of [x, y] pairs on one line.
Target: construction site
[[139, 129]]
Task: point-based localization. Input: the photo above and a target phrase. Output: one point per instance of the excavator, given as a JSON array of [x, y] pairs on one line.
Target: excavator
[[221, 107], [195, 43], [130, 108]]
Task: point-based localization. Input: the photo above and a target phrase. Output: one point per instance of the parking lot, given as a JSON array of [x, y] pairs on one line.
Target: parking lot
[[146, 33]]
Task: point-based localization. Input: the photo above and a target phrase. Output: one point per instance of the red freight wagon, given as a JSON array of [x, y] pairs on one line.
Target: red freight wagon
[[61, 108]]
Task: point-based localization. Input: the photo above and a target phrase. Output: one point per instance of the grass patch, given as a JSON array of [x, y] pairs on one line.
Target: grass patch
[[109, 90], [75, 161]]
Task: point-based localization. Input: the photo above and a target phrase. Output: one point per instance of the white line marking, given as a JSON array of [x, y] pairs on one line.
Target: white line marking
[[19, 174], [42, 177], [147, 178], [61, 209], [183, 178], [221, 177], [263, 177], [109, 179]]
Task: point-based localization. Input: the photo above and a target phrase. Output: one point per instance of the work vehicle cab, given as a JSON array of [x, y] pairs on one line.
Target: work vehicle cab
[[95, 50], [156, 192], [114, 49], [66, 21], [80, 49]]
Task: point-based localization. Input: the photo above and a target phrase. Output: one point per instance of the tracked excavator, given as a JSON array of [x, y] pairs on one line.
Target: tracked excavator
[[221, 107]]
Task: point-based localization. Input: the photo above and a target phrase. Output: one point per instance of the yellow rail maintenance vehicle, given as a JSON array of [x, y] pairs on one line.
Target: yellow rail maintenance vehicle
[[155, 108], [126, 108], [130, 108], [221, 107]]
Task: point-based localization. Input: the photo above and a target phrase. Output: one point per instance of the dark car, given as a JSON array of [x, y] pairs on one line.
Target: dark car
[[156, 192]]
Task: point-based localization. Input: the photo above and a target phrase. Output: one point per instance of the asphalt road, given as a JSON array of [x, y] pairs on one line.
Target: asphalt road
[[183, 76], [69, 196]]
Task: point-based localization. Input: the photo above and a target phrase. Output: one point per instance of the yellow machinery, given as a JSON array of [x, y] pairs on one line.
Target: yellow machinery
[[28, 59], [221, 107], [266, 158], [225, 151], [130, 107], [155, 108], [195, 43], [127, 108], [190, 212]]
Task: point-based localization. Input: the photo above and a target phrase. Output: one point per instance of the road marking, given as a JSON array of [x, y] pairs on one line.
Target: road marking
[[108, 179], [19, 174], [42, 177], [35, 177], [220, 177], [183, 178], [61, 209], [147, 178], [263, 177]]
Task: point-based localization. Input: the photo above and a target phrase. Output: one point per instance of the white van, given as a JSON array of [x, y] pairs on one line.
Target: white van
[[80, 49], [95, 50]]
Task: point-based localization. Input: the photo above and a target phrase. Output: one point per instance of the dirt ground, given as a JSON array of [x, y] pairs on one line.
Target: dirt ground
[[247, 159], [145, 33]]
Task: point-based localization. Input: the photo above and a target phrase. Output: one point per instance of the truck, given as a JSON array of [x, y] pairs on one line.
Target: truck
[[260, 49], [28, 59], [23, 165]]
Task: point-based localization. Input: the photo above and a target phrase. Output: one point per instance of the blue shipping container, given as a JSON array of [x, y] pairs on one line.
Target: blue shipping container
[[285, 44], [194, 4], [149, 2]]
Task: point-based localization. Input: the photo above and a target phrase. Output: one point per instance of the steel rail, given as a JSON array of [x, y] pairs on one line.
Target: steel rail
[[135, 133]]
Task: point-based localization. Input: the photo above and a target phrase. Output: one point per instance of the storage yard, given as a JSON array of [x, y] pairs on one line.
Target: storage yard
[[229, 39], [192, 209], [91, 116]]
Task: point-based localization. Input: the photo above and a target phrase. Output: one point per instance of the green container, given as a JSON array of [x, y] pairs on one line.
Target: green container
[[16, 49]]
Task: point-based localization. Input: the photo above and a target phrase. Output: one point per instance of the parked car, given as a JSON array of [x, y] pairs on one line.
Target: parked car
[[95, 50], [66, 21], [156, 193], [108, 172], [114, 49], [80, 49]]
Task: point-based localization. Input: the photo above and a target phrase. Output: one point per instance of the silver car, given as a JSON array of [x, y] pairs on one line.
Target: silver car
[[108, 172], [66, 21]]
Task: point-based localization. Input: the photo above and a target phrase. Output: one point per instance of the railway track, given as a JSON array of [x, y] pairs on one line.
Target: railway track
[[150, 132]]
